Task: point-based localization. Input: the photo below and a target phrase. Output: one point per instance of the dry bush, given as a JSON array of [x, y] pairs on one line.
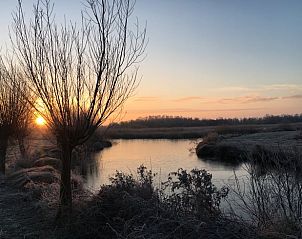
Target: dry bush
[[130, 207], [193, 193]]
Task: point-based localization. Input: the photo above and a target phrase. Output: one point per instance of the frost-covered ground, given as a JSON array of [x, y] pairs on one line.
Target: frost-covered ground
[[21, 216], [277, 140]]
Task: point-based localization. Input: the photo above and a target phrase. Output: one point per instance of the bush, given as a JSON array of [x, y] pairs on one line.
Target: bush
[[130, 207], [193, 193], [142, 186]]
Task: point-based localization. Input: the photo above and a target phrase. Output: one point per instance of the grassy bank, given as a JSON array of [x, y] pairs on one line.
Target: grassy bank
[[235, 149]]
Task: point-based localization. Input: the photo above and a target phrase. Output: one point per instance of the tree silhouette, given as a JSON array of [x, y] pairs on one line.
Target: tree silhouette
[[15, 109], [81, 74]]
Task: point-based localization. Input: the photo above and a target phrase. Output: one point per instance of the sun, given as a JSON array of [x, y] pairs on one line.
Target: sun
[[40, 121]]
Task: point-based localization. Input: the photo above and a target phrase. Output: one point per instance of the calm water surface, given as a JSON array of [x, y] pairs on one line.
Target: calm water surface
[[162, 156]]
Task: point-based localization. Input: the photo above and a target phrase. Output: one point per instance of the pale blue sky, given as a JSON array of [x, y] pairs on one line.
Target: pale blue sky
[[205, 56]]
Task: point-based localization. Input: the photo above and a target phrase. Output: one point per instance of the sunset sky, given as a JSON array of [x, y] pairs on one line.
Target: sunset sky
[[211, 58]]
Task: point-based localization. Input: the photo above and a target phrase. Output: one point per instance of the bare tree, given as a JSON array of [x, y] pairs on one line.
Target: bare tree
[[25, 122], [15, 110], [82, 74]]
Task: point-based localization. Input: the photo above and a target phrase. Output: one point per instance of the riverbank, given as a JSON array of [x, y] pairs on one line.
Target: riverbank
[[238, 148]]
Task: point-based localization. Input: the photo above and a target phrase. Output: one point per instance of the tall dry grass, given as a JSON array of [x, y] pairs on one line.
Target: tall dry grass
[[270, 196]]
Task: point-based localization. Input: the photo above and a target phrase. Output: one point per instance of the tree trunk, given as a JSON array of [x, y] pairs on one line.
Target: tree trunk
[[3, 148], [22, 147], [65, 186]]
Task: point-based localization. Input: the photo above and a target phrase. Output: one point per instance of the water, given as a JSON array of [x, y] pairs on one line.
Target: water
[[162, 156]]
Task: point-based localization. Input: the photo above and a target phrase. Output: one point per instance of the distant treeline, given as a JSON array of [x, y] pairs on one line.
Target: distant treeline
[[178, 121]]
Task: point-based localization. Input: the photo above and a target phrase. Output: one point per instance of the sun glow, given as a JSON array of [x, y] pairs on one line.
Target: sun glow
[[40, 121]]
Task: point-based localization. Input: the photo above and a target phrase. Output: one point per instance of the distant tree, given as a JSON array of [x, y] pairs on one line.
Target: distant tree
[[178, 121], [81, 74], [15, 109]]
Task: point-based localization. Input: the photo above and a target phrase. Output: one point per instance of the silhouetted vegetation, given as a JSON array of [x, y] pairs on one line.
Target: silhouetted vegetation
[[81, 74], [178, 121], [192, 132], [168, 127]]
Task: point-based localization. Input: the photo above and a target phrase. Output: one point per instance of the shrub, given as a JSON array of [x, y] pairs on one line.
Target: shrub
[[130, 207], [142, 186], [193, 192]]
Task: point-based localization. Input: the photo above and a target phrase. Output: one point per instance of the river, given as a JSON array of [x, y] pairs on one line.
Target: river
[[162, 156]]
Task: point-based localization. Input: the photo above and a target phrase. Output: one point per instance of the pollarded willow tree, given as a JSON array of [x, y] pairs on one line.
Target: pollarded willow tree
[[15, 109], [81, 73]]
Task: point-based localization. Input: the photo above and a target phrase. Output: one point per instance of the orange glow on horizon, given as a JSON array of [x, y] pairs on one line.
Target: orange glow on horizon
[[212, 106]]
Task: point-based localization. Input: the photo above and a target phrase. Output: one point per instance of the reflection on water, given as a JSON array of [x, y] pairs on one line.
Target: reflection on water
[[162, 156]]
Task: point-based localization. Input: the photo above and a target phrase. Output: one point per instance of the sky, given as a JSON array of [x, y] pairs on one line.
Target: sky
[[210, 58]]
